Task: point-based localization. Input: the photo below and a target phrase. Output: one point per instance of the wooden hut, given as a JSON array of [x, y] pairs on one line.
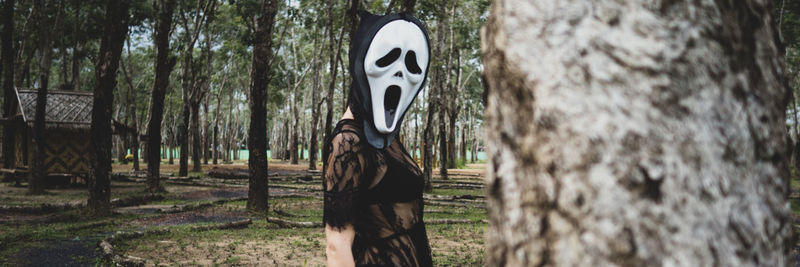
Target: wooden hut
[[68, 118]]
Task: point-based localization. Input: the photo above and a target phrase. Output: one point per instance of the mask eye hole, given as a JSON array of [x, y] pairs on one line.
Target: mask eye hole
[[411, 63], [388, 58]]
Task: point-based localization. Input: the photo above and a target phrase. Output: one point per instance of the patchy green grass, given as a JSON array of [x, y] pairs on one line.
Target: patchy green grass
[[18, 196], [72, 226], [437, 212], [457, 244], [261, 243], [457, 192]]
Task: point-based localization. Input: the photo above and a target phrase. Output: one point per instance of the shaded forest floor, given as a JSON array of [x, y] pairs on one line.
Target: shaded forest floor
[[202, 221]]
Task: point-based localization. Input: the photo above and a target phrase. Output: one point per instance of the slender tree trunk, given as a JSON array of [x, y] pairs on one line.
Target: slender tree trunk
[[287, 142], [9, 100], [171, 146], [313, 143], [196, 138], [302, 144], [408, 6], [164, 63], [259, 79], [77, 53], [38, 169], [427, 137], [24, 72], [441, 82], [454, 107], [451, 142], [131, 102], [215, 149], [294, 138], [333, 58], [206, 139], [675, 154], [114, 33], [183, 138], [448, 101], [463, 147]]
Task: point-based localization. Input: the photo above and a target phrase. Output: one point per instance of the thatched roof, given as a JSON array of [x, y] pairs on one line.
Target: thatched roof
[[65, 109]]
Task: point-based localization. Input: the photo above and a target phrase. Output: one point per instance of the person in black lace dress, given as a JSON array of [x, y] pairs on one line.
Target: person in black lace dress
[[373, 207]]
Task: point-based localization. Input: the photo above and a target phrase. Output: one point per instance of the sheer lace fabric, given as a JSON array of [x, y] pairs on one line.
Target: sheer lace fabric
[[379, 192]]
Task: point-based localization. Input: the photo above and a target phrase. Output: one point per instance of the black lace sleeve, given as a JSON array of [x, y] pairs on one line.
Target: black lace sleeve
[[344, 168]]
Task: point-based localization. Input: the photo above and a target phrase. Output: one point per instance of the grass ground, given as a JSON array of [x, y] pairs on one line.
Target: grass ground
[[70, 237]]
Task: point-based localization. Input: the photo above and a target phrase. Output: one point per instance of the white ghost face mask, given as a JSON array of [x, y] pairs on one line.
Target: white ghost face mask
[[395, 66]]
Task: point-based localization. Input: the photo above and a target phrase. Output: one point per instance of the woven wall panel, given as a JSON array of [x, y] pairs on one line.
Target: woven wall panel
[[67, 153]]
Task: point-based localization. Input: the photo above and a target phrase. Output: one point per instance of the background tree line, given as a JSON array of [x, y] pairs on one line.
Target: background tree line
[[183, 87]]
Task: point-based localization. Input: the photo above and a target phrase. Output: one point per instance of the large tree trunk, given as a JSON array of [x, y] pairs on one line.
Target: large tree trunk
[[164, 64], [114, 33], [9, 98], [635, 134], [259, 79]]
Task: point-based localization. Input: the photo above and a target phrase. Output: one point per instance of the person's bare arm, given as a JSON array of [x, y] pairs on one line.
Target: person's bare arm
[[339, 239], [339, 245]]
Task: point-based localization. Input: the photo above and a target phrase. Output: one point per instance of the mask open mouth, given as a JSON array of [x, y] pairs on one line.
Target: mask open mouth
[[391, 99]]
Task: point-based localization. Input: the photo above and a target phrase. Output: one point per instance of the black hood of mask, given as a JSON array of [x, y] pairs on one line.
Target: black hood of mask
[[359, 99]]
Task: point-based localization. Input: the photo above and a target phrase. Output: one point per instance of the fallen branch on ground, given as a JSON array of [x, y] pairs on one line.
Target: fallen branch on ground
[[454, 221], [290, 224], [454, 204], [230, 225]]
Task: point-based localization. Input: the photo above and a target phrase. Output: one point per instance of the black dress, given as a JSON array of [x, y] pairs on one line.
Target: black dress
[[379, 192]]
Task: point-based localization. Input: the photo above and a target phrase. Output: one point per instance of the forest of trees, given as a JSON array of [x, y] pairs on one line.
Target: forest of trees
[[194, 79], [617, 132]]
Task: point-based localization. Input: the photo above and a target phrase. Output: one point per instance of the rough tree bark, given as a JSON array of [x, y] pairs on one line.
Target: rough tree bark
[[9, 99], [638, 134], [259, 80], [164, 64], [114, 32]]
